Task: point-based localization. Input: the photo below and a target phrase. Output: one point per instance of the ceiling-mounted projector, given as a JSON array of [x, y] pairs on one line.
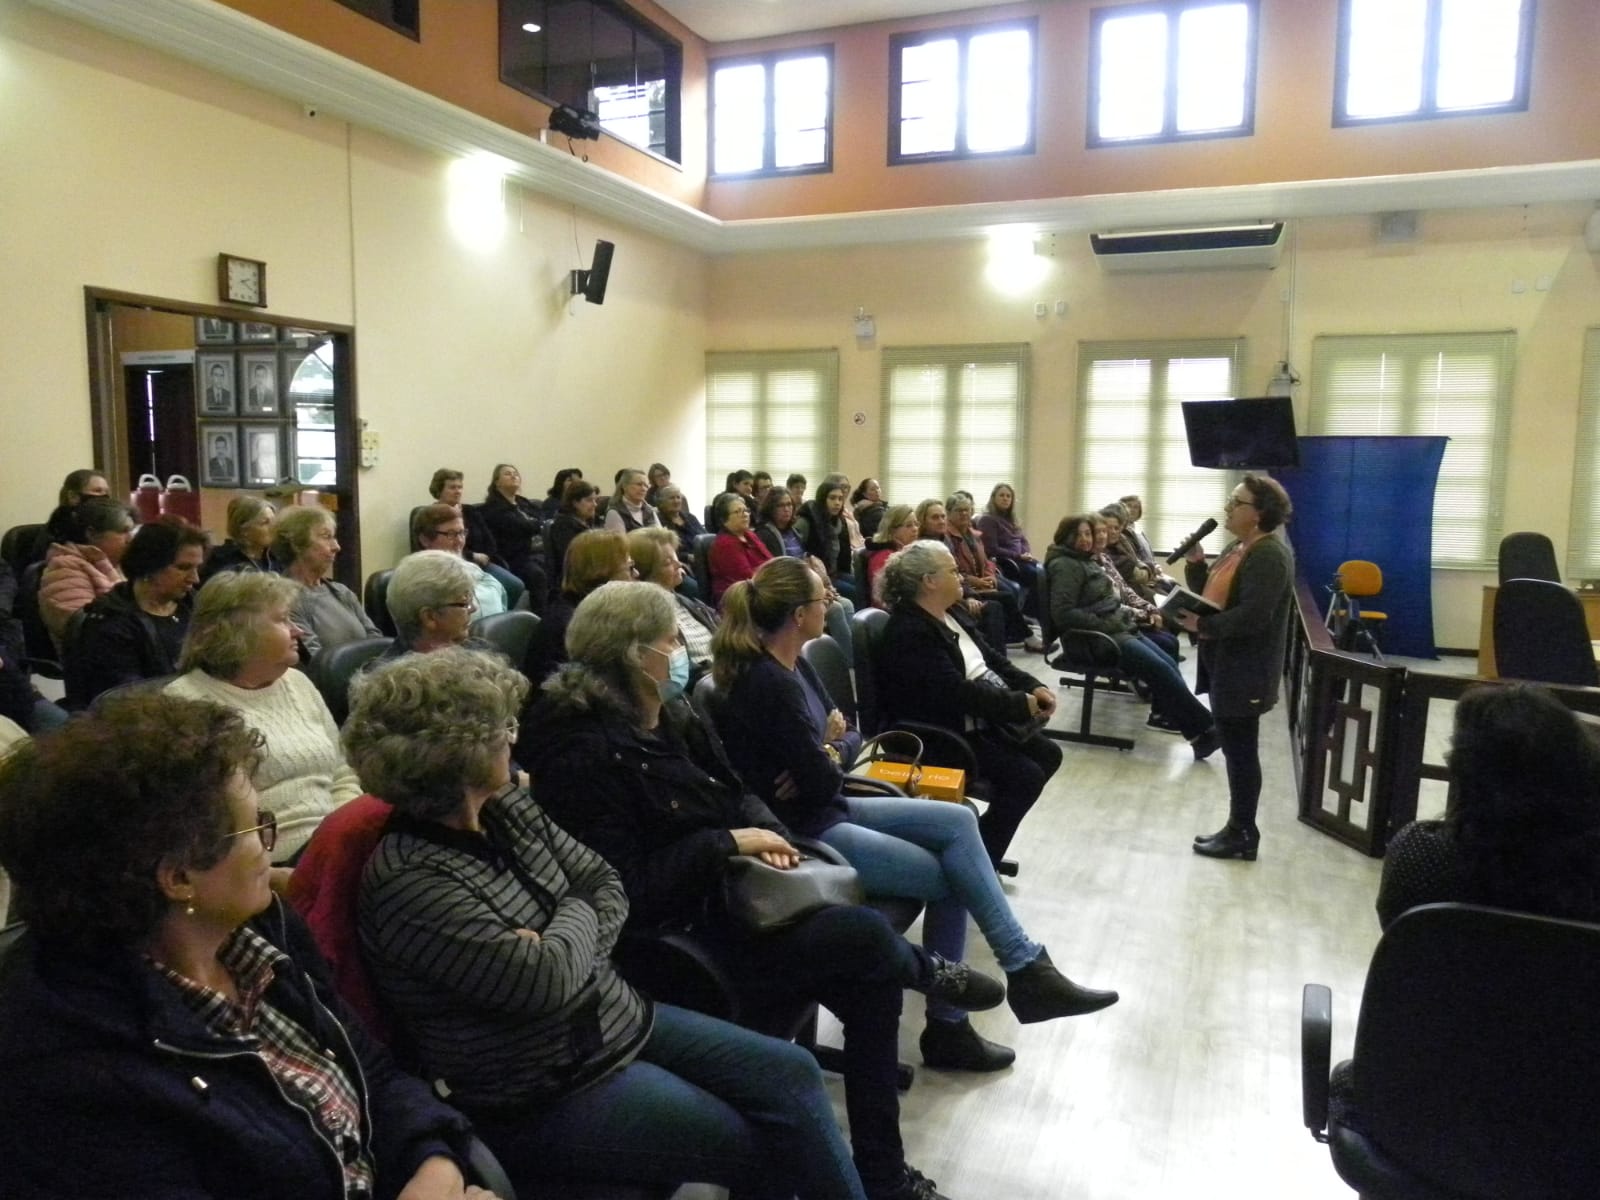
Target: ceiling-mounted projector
[[575, 122]]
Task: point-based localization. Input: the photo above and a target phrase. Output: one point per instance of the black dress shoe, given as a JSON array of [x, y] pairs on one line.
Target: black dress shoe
[[1161, 724], [957, 1046], [958, 984], [1039, 992], [1229, 842], [1205, 744], [912, 1185]]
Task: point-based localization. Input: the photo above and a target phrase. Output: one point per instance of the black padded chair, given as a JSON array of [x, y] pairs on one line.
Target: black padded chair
[[43, 657], [1528, 556], [1540, 634], [859, 573], [334, 668], [508, 632], [1476, 1073], [1087, 661], [16, 546], [700, 564], [375, 599], [138, 687]]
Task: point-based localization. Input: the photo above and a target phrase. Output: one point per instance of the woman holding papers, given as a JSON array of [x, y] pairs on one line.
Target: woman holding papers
[[1241, 647]]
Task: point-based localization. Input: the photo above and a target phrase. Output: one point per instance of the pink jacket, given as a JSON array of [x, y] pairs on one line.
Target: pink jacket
[[74, 577]]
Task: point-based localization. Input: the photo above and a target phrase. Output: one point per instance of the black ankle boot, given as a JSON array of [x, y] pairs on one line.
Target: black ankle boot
[[959, 985], [1229, 842], [957, 1046], [1039, 992]]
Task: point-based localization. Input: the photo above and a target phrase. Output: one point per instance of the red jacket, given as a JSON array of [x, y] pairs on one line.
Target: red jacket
[[733, 559]]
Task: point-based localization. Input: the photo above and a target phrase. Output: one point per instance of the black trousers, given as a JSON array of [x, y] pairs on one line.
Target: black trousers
[[1016, 774], [1241, 748]]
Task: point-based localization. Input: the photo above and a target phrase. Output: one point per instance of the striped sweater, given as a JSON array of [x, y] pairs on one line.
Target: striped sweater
[[503, 1018]]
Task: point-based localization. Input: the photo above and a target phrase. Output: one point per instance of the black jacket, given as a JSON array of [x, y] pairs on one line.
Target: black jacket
[[110, 1086], [1242, 647], [922, 677], [657, 808], [514, 526], [118, 643], [826, 538], [230, 556]]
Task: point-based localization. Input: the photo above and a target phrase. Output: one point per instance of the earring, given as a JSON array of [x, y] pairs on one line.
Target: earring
[[188, 906]]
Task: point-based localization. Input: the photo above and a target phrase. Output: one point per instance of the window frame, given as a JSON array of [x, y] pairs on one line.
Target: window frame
[[638, 23], [952, 358], [769, 61], [823, 360], [1410, 348], [1153, 485], [1429, 109], [1583, 527], [1169, 131], [963, 34]]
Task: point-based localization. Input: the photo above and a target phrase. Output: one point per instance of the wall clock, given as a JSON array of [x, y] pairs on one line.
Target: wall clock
[[241, 280]]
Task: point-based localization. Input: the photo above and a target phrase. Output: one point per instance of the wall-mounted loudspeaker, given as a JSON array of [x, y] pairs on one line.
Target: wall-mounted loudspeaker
[[591, 284]]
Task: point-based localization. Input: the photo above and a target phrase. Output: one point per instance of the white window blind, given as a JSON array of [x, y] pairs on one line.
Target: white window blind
[[954, 417], [774, 411], [1583, 537], [1457, 385], [1131, 435]]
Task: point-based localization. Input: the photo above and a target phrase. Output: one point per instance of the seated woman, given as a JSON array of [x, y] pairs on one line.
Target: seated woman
[[240, 653], [629, 510], [442, 527], [674, 512], [779, 534], [1524, 830], [487, 926], [933, 666], [1006, 543], [327, 613], [867, 504], [791, 746], [897, 530], [449, 487], [1120, 550], [251, 521], [655, 556], [821, 526], [515, 521], [552, 497], [933, 525], [78, 486], [981, 576], [1082, 597], [575, 516], [593, 558], [641, 781], [1146, 617], [432, 604], [167, 1027], [78, 572], [737, 552]]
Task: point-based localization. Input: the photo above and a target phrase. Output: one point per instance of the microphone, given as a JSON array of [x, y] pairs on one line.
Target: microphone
[[1189, 543]]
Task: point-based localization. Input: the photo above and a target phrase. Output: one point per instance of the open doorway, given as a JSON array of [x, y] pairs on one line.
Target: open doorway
[[265, 405]]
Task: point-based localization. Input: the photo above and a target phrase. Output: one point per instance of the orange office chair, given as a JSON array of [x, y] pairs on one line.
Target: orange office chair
[[1354, 627]]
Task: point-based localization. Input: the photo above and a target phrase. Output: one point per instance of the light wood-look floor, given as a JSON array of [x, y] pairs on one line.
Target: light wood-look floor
[[1190, 1086]]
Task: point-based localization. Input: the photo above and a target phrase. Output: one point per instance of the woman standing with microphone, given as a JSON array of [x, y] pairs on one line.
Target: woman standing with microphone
[[1241, 647]]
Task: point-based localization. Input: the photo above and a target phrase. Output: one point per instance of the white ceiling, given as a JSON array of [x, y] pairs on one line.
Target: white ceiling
[[735, 20]]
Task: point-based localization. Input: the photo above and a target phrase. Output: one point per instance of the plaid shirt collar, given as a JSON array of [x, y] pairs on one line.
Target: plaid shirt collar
[[252, 962]]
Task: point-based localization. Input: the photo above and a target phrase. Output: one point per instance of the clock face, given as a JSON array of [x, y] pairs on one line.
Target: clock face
[[244, 281]]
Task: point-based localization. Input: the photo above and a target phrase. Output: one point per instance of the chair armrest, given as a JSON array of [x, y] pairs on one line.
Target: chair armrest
[[1316, 1041], [484, 1169], [1080, 649], [943, 747], [676, 967]]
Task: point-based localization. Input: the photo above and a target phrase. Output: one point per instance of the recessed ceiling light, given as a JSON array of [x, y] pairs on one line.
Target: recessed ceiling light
[[530, 27]]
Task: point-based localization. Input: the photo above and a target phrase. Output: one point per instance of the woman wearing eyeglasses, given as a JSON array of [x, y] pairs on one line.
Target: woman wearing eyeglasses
[[166, 1025], [239, 652], [1241, 647]]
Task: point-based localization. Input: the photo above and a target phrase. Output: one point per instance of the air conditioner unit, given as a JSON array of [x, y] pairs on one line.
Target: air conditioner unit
[[1249, 246]]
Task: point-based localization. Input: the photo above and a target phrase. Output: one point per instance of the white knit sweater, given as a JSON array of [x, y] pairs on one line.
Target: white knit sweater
[[303, 775]]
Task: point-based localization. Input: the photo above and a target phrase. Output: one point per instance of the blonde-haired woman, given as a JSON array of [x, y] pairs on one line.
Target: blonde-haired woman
[[328, 613], [251, 521], [240, 652]]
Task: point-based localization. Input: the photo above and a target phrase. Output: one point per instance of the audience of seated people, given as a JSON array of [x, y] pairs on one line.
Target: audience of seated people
[[981, 577], [251, 522], [587, 1078], [442, 527], [79, 571], [328, 613], [241, 652], [655, 557], [594, 557], [77, 486], [167, 1027], [515, 521], [448, 486], [135, 631], [624, 765], [431, 602]]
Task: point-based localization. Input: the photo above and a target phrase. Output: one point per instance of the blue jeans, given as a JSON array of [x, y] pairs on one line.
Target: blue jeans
[[704, 1102], [930, 850], [1170, 695], [514, 587], [838, 623]]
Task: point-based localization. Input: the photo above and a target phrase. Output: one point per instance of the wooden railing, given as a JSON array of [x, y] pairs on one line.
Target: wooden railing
[[1359, 731]]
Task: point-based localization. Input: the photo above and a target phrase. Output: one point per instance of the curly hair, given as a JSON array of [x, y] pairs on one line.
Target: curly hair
[[906, 569], [155, 547], [426, 727], [1270, 500], [225, 627], [722, 506], [88, 814], [1067, 530]]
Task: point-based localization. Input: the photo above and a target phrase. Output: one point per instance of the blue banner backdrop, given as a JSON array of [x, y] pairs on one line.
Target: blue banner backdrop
[[1372, 498]]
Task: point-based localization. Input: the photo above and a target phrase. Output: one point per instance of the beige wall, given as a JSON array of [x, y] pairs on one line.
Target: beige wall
[[130, 171], [1459, 275]]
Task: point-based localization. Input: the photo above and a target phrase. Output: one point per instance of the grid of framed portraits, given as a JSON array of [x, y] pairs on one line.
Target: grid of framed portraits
[[246, 407], [244, 454]]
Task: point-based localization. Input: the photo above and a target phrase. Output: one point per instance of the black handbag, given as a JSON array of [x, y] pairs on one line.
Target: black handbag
[[760, 898]]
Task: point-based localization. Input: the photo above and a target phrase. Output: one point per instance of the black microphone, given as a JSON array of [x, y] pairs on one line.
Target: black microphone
[[1189, 543]]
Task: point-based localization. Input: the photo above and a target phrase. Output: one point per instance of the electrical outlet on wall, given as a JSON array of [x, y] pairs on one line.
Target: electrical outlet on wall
[[369, 448]]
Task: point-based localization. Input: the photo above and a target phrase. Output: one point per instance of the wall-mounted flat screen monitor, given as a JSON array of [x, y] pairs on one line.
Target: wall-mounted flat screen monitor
[[1233, 435]]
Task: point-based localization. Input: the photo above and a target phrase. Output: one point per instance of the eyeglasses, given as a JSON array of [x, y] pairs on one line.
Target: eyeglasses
[[1234, 502], [470, 605], [268, 829], [450, 533]]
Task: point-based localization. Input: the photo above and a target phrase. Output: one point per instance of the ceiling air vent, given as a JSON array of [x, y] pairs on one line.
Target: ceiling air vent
[[1251, 246]]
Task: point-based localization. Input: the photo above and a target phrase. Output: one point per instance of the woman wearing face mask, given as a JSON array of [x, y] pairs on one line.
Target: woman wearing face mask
[[634, 776]]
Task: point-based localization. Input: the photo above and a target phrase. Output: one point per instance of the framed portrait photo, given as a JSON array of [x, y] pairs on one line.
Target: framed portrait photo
[[216, 387], [265, 456], [212, 331], [219, 454], [258, 384], [257, 331]]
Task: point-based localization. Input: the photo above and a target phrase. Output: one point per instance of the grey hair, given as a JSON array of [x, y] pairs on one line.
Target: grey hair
[[296, 526], [242, 510], [424, 580], [225, 627], [613, 621], [426, 727], [959, 500], [906, 569], [1116, 509]]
